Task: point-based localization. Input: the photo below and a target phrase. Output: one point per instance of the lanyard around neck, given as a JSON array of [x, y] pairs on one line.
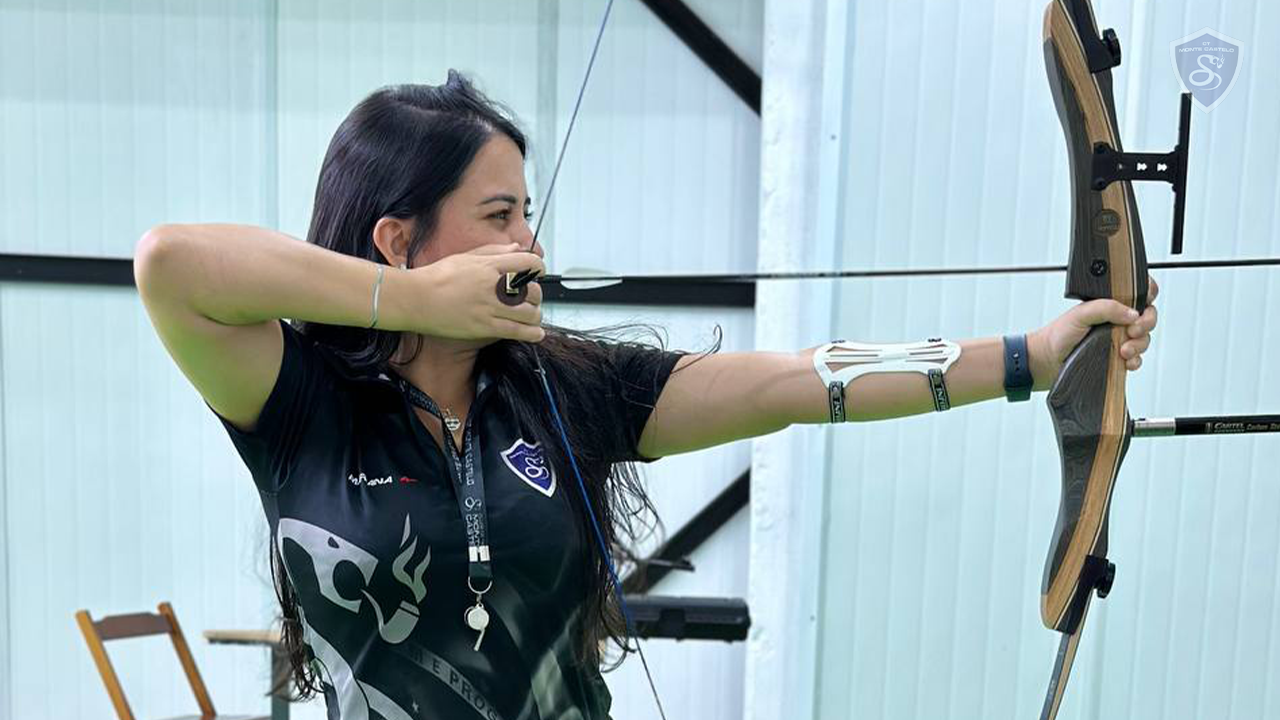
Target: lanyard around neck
[[467, 474]]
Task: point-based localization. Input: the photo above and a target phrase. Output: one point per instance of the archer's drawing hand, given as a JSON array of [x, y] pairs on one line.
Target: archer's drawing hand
[[1050, 345], [458, 296]]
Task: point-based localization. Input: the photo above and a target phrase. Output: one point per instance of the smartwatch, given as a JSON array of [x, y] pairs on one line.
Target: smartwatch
[[1017, 369]]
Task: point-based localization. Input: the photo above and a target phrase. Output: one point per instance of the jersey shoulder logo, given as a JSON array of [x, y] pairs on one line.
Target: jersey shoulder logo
[[529, 464]]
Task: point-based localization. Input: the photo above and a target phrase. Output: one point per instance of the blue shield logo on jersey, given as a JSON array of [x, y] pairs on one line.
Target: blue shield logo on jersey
[[529, 464]]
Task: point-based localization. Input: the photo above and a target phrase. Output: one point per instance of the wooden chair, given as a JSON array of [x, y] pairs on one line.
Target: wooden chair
[[117, 627]]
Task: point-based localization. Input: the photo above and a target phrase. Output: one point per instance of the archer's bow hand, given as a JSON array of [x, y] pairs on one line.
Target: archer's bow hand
[[1050, 345]]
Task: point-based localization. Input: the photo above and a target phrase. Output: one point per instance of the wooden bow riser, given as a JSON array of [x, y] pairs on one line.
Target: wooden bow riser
[[1107, 260]]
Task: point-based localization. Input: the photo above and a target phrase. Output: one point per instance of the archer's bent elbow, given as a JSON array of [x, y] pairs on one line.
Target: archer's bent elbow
[[149, 252]]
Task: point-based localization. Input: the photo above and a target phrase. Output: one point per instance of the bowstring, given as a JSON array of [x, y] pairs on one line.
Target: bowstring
[[546, 385], [595, 526], [573, 120]]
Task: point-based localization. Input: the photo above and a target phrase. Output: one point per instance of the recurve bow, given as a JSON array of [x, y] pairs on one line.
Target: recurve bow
[[1107, 260]]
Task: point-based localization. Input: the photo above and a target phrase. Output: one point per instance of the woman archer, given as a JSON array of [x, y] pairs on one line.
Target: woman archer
[[431, 550]]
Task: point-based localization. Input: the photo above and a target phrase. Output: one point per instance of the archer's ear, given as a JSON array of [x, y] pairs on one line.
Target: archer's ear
[[391, 236]]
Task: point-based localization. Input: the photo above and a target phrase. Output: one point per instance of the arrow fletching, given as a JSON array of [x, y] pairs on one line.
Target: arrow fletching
[[586, 279]]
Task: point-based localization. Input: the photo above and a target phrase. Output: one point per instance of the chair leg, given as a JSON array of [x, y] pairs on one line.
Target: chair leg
[[188, 663], [105, 669]]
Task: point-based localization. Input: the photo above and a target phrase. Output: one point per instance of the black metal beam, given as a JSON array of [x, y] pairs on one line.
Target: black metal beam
[[118, 272], [690, 536], [654, 290], [684, 293], [707, 45], [66, 270]]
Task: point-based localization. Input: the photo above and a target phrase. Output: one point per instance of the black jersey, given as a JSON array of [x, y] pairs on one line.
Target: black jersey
[[362, 509]]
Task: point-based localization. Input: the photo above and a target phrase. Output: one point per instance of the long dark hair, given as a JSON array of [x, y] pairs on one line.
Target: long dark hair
[[367, 175]]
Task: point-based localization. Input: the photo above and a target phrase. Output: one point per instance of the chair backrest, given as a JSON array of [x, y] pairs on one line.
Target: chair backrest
[[118, 627]]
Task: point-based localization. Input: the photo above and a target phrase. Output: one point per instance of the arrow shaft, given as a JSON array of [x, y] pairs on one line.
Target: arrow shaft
[[918, 272]]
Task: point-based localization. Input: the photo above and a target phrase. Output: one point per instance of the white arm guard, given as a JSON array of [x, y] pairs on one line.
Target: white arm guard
[[841, 362]]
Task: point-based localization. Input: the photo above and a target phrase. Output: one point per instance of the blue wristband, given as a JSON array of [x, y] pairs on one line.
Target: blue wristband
[[1017, 369]]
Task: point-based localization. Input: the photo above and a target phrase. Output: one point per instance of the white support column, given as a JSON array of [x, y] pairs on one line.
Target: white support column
[[6, 672], [803, 98]]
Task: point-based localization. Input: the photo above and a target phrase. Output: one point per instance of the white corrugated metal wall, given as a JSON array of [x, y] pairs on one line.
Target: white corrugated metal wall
[[116, 119], [934, 529], [120, 489]]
